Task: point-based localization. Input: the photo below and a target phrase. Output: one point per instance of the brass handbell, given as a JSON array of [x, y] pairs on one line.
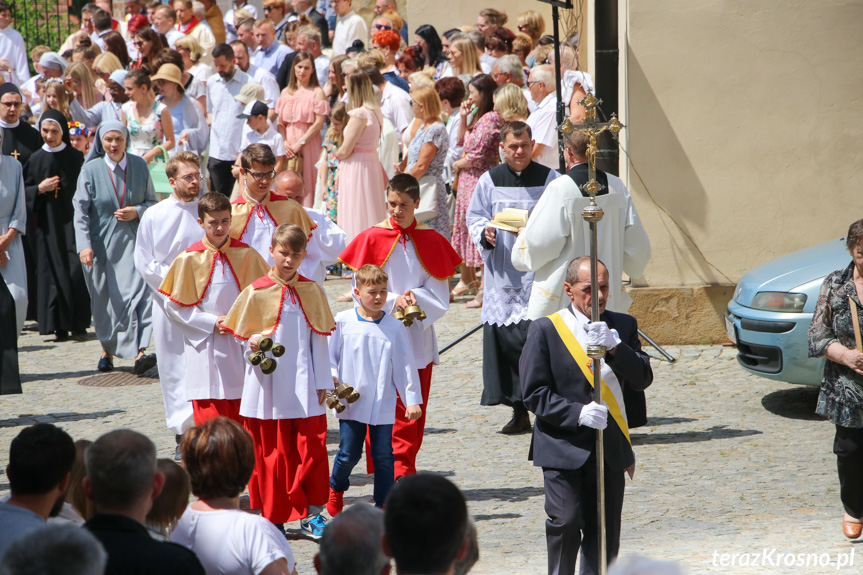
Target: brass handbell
[[268, 365], [343, 390], [422, 315], [413, 312], [334, 403], [399, 314], [256, 358], [265, 344], [353, 396], [278, 350]]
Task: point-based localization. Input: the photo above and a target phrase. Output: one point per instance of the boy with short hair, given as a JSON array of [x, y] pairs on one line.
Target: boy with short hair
[[257, 212], [370, 351], [418, 262], [200, 286], [258, 130], [284, 410]]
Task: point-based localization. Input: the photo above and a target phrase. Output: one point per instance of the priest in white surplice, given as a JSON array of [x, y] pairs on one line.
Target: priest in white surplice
[[556, 233], [166, 230], [13, 54]]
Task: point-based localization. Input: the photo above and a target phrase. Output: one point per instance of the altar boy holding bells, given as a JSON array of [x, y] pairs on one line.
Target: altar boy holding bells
[[418, 262], [200, 287], [370, 351], [284, 410]]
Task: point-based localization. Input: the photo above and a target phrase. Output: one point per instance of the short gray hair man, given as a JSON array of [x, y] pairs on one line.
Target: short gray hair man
[[509, 64], [55, 550], [121, 468], [351, 544]]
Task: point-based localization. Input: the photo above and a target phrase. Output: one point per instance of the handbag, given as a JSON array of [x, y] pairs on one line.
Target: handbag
[[428, 199], [295, 163], [161, 185]]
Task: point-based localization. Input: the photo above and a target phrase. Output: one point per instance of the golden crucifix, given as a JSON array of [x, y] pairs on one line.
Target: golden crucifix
[[15, 154], [591, 128]]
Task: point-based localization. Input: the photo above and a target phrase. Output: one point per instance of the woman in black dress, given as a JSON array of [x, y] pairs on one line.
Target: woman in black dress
[[50, 178]]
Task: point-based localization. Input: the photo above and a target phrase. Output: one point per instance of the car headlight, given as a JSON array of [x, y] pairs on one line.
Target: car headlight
[[779, 301]]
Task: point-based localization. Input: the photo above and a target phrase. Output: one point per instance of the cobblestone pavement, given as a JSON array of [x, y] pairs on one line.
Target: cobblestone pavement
[[729, 463]]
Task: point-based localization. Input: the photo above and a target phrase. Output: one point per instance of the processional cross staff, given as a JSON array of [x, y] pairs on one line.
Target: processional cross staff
[[592, 214]]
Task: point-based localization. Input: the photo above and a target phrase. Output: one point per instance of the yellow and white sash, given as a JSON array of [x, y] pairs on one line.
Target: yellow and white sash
[[571, 331]]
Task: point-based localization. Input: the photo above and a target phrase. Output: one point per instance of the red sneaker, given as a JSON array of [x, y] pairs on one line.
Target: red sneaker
[[335, 503]]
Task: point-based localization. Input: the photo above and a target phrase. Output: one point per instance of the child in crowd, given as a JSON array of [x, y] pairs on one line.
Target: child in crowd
[[258, 130], [171, 503], [257, 212], [56, 98], [79, 135], [370, 351], [418, 262], [330, 162], [201, 285], [283, 410]]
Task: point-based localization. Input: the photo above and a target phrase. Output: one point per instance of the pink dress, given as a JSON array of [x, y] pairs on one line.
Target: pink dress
[[362, 179], [480, 142], [297, 112]]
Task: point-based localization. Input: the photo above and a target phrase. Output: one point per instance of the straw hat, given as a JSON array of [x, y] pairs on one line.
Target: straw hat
[[170, 73]]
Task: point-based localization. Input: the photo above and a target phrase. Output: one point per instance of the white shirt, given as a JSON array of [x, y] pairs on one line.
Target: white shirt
[[396, 107], [259, 230], [214, 362], [271, 138], [374, 358], [543, 124], [226, 130], [232, 542], [12, 49], [322, 67], [269, 83], [350, 27], [173, 35], [204, 35], [556, 233], [290, 392], [327, 243]]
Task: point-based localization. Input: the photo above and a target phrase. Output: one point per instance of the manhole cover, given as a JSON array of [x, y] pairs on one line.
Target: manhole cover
[[120, 378]]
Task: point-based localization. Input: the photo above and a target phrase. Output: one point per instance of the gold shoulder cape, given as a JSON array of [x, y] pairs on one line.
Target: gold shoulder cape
[[280, 209]]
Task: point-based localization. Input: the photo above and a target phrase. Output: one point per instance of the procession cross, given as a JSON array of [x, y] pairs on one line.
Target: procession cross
[[592, 214]]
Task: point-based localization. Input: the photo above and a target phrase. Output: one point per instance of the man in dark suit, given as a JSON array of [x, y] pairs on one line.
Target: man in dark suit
[[315, 17], [554, 371]]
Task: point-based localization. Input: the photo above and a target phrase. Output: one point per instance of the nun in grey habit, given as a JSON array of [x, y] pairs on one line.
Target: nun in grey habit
[[114, 191]]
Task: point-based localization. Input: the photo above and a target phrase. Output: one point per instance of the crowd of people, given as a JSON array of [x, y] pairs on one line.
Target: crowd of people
[[190, 178]]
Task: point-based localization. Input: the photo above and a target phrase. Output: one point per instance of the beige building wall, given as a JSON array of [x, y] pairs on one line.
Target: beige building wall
[[745, 138]]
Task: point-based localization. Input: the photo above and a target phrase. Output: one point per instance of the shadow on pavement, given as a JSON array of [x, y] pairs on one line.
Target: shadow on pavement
[[651, 421], [512, 494], [26, 348], [28, 377], [797, 402], [715, 432], [492, 516], [30, 419]]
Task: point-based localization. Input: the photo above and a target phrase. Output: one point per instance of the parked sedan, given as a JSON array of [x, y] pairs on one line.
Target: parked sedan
[[771, 310]]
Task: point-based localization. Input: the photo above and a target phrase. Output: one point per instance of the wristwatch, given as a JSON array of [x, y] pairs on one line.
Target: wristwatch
[[302, 142]]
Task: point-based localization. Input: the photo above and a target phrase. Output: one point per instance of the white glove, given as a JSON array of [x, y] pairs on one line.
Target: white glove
[[599, 334], [594, 415]]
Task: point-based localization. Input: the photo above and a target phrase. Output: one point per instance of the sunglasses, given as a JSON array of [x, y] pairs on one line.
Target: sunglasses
[[383, 27]]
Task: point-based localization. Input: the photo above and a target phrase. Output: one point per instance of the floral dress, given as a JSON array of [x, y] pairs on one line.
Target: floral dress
[[480, 144], [435, 134], [146, 134], [841, 397], [331, 197]]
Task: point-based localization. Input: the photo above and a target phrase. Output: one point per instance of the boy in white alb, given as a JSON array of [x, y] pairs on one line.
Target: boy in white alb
[[370, 351], [258, 130], [257, 212], [200, 287], [418, 262], [284, 410]]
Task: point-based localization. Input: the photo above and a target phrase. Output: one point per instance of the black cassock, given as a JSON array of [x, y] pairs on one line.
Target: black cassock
[[62, 299], [10, 380], [21, 142]]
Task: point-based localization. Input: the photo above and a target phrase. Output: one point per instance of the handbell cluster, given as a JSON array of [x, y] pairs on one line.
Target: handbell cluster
[[259, 358], [342, 391], [409, 314]]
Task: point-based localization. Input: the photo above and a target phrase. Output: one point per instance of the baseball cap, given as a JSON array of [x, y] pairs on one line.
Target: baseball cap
[[255, 108], [250, 92]]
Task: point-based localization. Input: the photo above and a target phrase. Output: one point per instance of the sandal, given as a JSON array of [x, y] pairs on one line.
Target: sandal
[[348, 296], [462, 288], [473, 304]]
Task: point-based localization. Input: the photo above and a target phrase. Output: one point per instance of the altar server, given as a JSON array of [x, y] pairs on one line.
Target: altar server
[[284, 410], [166, 230], [257, 212], [200, 287], [369, 351], [517, 183], [418, 262], [328, 239], [51, 174], [113, 192]]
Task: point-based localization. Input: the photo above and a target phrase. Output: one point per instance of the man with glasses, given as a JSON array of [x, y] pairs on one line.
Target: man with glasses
[[350, 26], [508, 70], [257, 212], [167, 229], [384, 6], [543, 120], [226, 129]]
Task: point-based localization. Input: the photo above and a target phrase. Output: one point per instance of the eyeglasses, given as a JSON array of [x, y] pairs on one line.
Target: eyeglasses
[[383, 27], [530, 83], [12, 104], [262, 175], [192, 178], [268, 8]]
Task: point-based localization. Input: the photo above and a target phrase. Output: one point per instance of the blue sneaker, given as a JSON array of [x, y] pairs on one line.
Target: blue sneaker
[[314, 526]]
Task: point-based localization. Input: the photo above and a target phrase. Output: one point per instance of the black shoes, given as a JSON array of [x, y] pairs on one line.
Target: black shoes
[[520, 423], [106, 364], [144, 363]]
